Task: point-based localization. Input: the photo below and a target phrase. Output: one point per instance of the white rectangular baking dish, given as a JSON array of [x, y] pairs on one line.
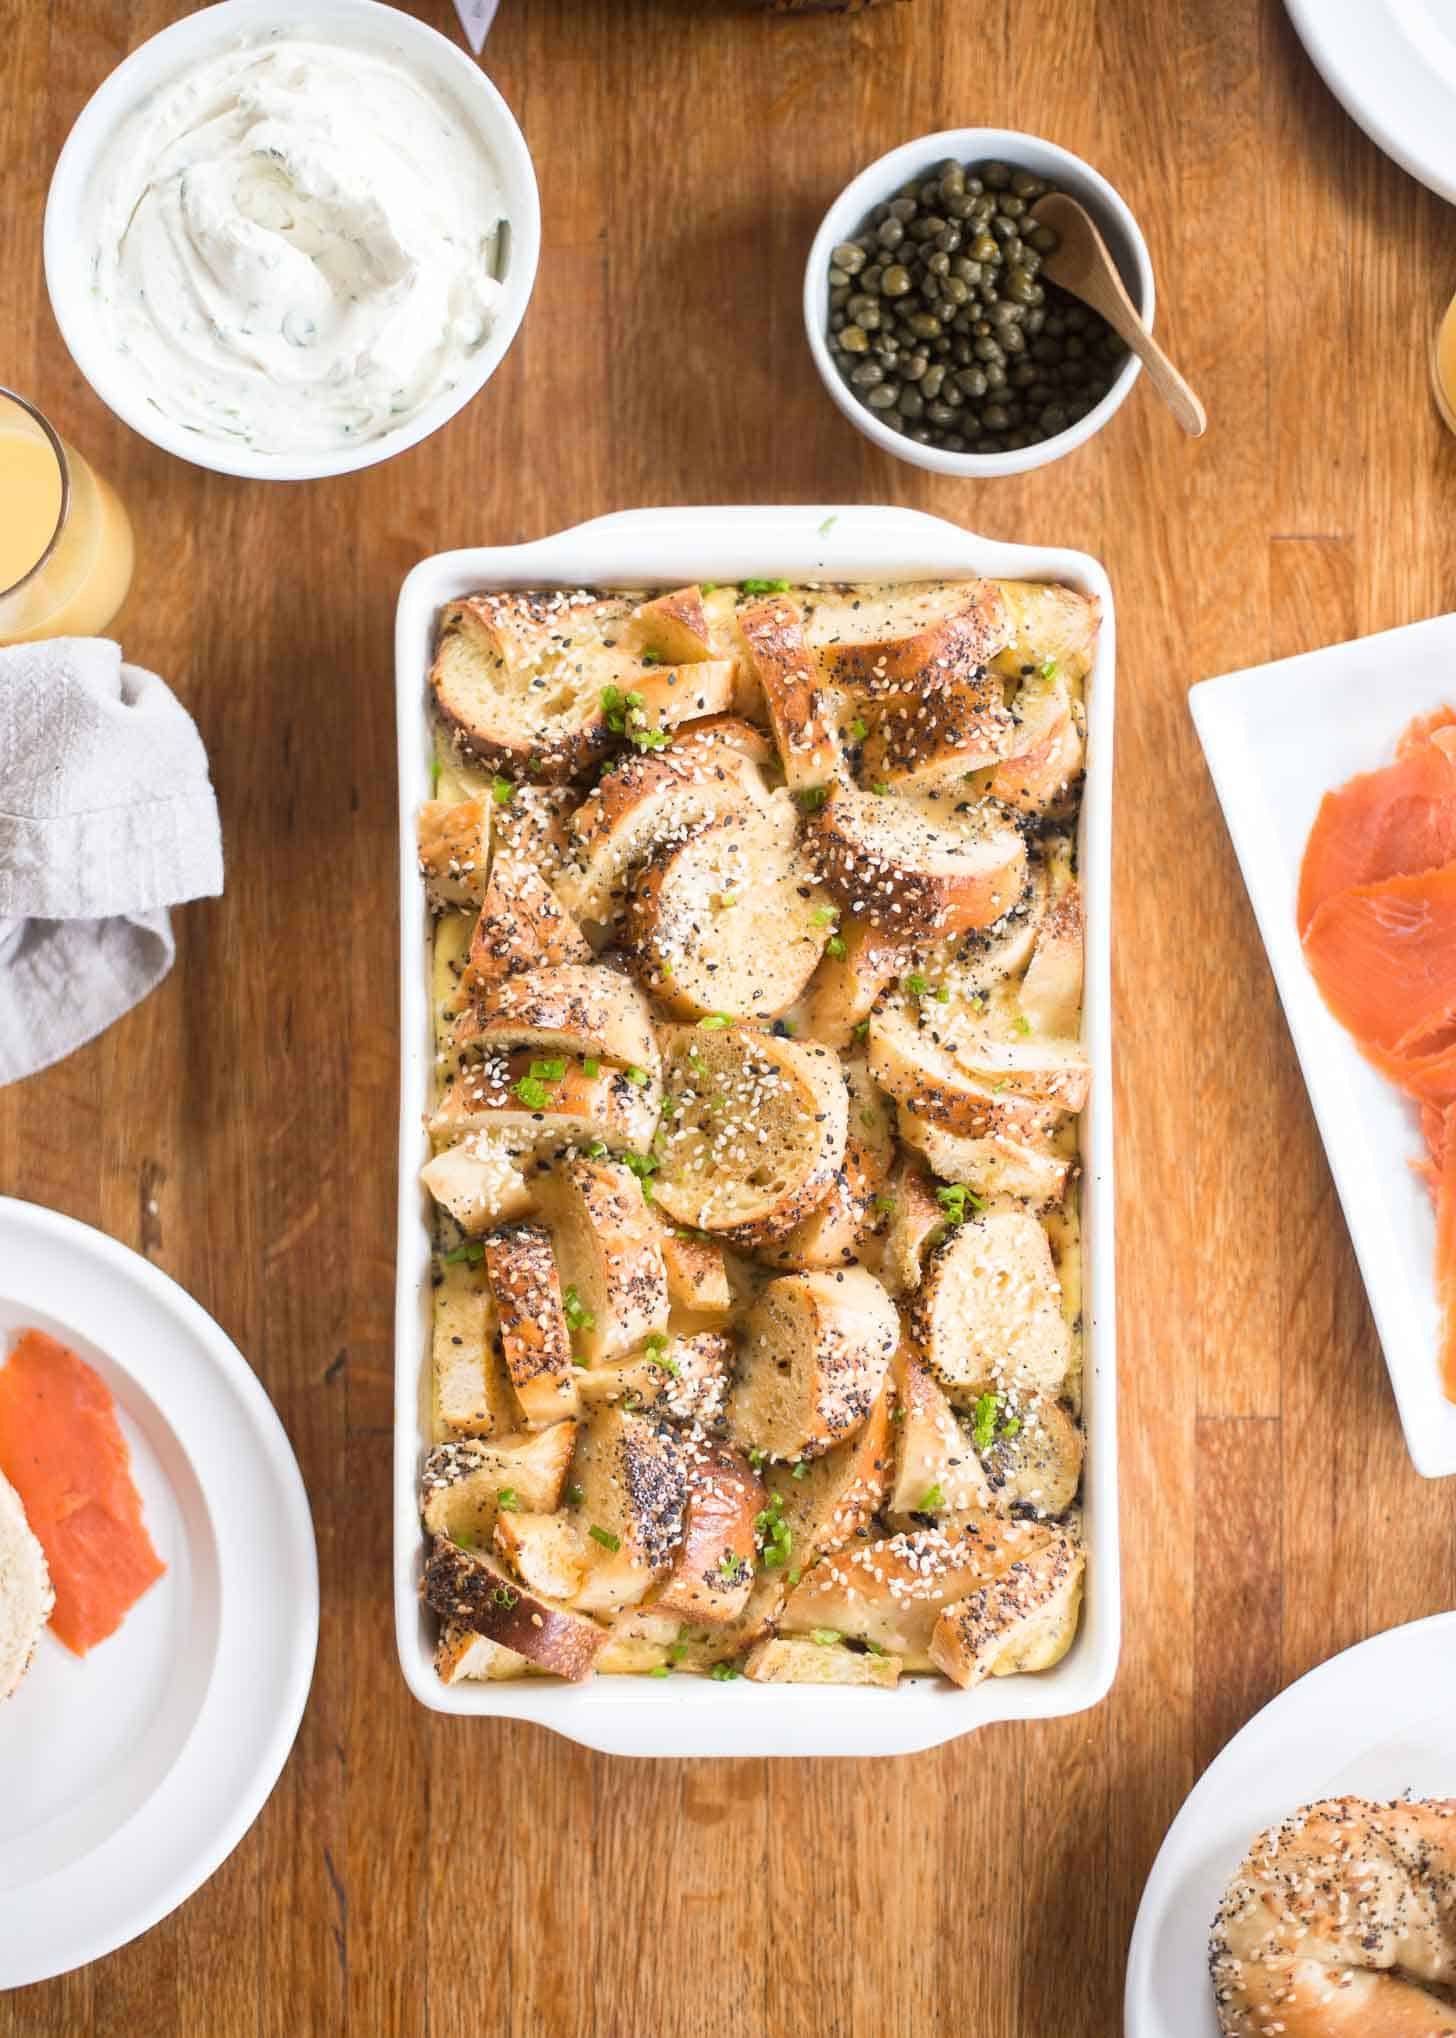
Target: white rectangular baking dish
[[690, 1715]]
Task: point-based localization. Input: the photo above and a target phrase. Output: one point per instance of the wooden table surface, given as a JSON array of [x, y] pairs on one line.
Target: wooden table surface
[[414, 1873]]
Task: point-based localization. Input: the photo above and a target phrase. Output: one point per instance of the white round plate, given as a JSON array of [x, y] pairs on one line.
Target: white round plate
[[129, 1775], [1373, 1722], [1392, 66]]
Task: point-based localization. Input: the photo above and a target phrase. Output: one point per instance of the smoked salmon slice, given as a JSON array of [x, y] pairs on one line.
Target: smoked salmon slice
[[62, 1449], [1389, 823], [1377, 917]]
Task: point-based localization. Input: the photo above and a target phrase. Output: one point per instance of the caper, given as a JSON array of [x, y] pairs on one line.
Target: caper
[[903, 209], [996, 176], [838, 278], [940, 413], [914, 366], [1004, 229], [954, 291], [873, 277], [868, 375], [952, 177], [999, 316], [882, 397], [1013, 339], [995, 375], [989, 350], [848, 256], [938, 265], [1053, 417], [912, 403], [896, 280], [1045, 239], [971, 382], [960, 205], [996, 417], [985, 249], [1028, 186], [855, 340], [1013, 208], [931, 381]]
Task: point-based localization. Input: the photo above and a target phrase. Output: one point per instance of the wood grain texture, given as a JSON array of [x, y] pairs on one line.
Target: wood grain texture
[[420, 1875]]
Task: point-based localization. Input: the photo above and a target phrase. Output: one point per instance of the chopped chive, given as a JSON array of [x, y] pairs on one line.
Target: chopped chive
[[861, 1030], [857, 729], [827, 526], [575, 1495], [660, 1670], [434, 774], [916, 985], [502, 791], [812, 798], [503, 1596], [1049, 669], [794, 1577], [472, 1251], [590, 1066], [532, 1092], [825, 1637], [639, 1078], [755, 1458], [1023, 1024], [825, 916], [931, 1499], [676, 1652], [549, 1071], [652, 658], [715, 1019], [800, 1471], [577, 1315], [764, 586], [597, 1150], [605, 1537], [509, 1499], [723, 1673], [983, 1432]]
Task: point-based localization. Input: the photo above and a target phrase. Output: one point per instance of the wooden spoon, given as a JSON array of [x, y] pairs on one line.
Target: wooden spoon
[[1083, 265]]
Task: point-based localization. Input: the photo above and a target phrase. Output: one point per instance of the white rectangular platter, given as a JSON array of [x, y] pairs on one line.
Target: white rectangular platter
[[1277, 738], [697, 1716]]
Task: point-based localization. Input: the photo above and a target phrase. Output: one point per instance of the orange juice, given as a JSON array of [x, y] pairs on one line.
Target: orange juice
[[65, 541], [1443, 367]]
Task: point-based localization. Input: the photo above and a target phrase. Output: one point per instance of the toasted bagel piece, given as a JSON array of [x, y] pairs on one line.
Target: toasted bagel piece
[[472, 1389], [608, 1254], [923, 742], [936, 1467], [1051, 990], [472, 1589], [533, 825], [522, 925], [753, 1131], [518, 677], [991, 1040], [892, 1592], [573, 1008], [1036, 1457], [684, 1377], [461, 1656], [1022, 1619], [1025, 1171], [834, 1234], [26, 1598], [712, 1568], [672, 626], [487, 1097], [454, 846], [799, 709], [915, 1220], [975, 962], [479, 1182], [859, 962], [542, 684], [920, 867], [697, 1273], [911, 1064], [913, 637], [730, 917], [814, 1353], [1042, 768], [1047, 623], [646, 801], [787, 1659], [730, 732], [633, 1473], [987, 1316], [545, 1551], [521, 1269], [461, 1483]]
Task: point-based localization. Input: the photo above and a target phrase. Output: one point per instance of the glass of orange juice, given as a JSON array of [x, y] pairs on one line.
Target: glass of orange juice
[[65, 540]]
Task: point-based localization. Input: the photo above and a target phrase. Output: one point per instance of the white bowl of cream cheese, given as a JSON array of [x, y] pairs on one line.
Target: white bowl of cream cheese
[[288, 242]]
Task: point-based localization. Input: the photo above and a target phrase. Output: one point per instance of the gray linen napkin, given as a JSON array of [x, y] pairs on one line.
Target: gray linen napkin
[[107, 817]]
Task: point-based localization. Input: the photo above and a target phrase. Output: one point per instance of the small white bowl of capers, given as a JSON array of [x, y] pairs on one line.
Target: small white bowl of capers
[[931, 323]]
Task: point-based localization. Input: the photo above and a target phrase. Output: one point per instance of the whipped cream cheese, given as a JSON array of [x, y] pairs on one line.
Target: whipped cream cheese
[[297, 244]]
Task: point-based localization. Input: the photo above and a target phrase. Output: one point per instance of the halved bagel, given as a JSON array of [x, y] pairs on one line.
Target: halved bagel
[[835, 1233], [672, 626], [1026, 1171], [697, 1273], [713, 1566], [858, 963], [729, 917], [462, 1656], [936, 1467], [799, 709], [522, 925], [545, 1551], [26, 1598], [474, 1590], [814, 1351], [488, 1096], [925, 741], [1022, 1619], [570, 1008], [454, 849], [608, 1256], [534, 824], [1047, 623], [918, 867], [909, 1063], [632, 1470], [987, 1316], [472, 1389], [753, 1131], [1051, 990], [991, 1039], [534, 1335], [974, 962], [648, 800], [893, 1592], [916, 636], [480, 1182]]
